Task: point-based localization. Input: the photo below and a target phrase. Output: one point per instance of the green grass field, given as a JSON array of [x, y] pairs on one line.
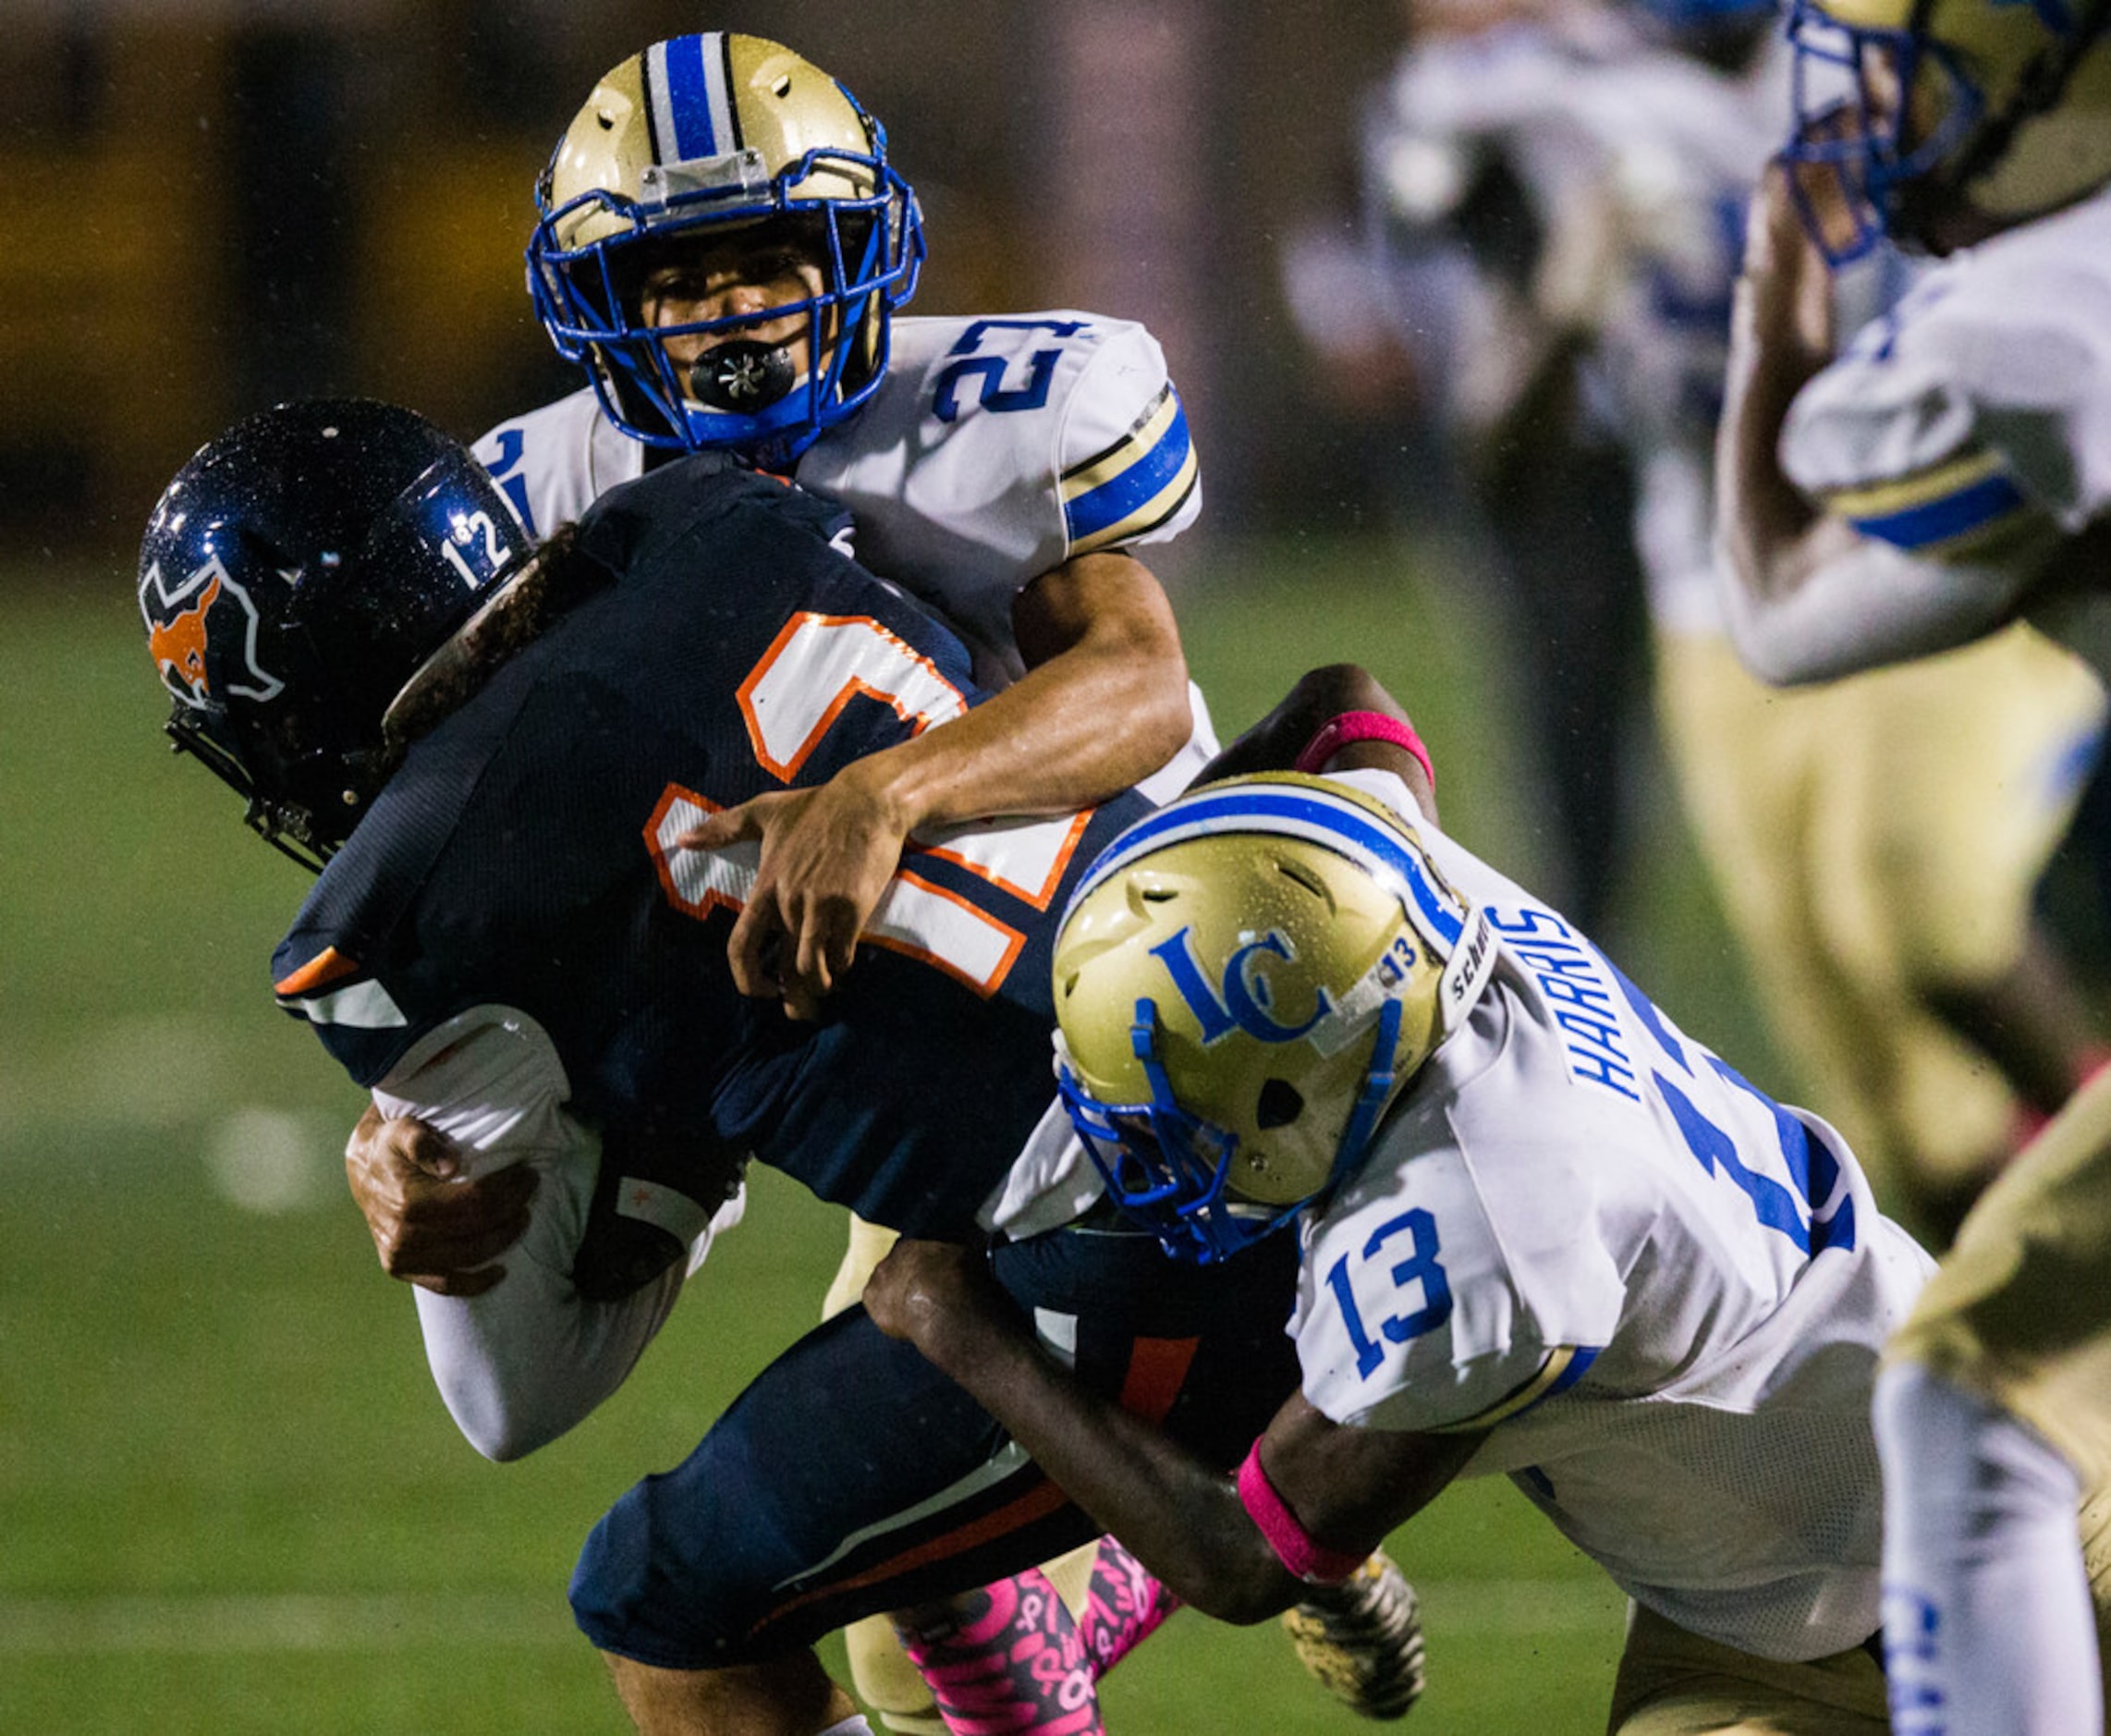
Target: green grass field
[[230, 1500]]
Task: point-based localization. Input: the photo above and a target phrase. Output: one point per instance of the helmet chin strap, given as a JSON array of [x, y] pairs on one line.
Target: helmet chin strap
[[1377, 1091], [743, 376]]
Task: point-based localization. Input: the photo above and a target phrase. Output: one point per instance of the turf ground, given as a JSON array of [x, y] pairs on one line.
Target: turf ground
[[230, 1499]]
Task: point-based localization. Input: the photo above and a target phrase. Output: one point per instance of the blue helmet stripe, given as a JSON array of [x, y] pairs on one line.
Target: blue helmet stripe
[[1289, 812], [687, 62]]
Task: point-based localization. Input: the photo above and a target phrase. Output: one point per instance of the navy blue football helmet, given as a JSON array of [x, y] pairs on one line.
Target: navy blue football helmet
[[684, 143], [295, 574]]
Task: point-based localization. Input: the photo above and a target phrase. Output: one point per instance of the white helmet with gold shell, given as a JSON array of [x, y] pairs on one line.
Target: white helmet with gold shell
[[1914, 110], [1244, 982], [690, 138]]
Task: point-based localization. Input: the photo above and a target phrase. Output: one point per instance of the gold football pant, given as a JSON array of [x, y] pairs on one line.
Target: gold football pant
[[1869, 838], [1676, 1683]]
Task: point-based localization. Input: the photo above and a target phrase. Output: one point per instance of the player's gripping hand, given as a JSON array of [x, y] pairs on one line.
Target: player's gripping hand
[[827, 855], [429, 1227], [940, 1297]]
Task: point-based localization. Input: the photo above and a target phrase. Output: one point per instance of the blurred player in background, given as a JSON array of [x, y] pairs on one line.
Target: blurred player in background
[[1467, 204], [1543, 1232], [1926, 1011], [1909, 489], [723, 248]]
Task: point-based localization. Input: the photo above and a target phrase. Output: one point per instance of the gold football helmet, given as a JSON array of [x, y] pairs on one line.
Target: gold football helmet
[[2002, 107], [1245, 982], [693, 137]]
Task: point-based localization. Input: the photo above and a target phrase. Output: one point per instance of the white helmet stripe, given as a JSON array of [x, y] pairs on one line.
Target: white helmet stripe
[[688, 98], [1292, 810]]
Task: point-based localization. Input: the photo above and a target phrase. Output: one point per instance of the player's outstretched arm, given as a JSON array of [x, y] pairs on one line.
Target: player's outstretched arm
[[1806, 596], [1781, 338], [1194, 1527], [1103, 704]]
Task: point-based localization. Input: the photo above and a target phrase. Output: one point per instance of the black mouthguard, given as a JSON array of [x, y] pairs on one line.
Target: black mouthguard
[[743, 376]]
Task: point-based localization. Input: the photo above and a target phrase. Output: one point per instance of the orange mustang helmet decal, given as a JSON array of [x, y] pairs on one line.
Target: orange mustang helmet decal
[[179, 645], [183, 619]]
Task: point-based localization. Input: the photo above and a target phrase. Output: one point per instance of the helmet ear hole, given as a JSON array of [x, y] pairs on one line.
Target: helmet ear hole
[[1280, 1103], [1299, 874]]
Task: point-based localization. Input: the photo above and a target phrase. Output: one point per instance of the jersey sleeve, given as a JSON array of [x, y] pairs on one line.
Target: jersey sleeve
[[554, 462], [531, 1357], [1423, 1307], [1129, 474], [997, 447], [1970, 425]]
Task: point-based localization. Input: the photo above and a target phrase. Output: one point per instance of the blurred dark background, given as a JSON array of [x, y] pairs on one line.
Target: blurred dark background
[[210, 205]]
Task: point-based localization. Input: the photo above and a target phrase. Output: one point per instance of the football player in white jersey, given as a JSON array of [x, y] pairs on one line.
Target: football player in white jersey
[[723, 248], [1939, 473], [723, 245], [1545, 1234]]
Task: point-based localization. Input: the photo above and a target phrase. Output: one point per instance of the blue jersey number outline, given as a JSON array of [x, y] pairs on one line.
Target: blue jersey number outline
[[987, 372], [1813, 1170], [512, 445], [1422, 1266]]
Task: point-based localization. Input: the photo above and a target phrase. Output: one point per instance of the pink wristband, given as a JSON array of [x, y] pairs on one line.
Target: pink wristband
[[1293, 1546], [1363, 726]]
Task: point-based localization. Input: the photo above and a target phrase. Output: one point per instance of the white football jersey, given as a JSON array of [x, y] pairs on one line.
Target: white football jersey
[[1663, 1292], [1973, 422], [993, 450]]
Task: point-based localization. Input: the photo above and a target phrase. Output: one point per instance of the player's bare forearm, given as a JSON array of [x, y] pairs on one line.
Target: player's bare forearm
[[1781, 338], [1181, 1519], [1103, 704]]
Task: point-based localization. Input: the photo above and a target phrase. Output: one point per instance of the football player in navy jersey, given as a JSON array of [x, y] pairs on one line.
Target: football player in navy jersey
[[344, 613], [723, 247]]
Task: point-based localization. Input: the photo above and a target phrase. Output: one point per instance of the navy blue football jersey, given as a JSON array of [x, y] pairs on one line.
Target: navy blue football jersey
[[522, 856]]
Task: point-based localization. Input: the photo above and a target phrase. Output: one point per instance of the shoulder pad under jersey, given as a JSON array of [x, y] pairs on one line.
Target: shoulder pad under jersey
[[1970, 421], [555, 463], [997, 449]]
